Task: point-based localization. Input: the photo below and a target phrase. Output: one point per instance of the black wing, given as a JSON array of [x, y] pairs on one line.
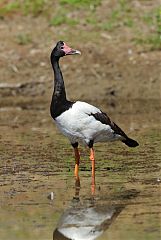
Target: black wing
[[104, 119]]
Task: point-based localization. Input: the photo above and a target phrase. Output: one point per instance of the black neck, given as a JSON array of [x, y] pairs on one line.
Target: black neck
[[59, 87], [59, 103]]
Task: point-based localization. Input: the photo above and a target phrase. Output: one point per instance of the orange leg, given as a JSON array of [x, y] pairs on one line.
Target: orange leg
[[77, 159], [93, 169]]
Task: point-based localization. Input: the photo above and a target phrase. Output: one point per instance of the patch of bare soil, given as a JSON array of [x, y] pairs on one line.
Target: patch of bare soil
[[111, 68]]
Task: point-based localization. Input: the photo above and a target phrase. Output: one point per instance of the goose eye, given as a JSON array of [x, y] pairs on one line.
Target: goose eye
[[61, 47]]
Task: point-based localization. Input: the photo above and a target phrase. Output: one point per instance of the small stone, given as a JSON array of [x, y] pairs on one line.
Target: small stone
[[42, 64], [129, 51], [51, 196]]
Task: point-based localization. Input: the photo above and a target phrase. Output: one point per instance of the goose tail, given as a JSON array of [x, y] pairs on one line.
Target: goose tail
[[130, 142]]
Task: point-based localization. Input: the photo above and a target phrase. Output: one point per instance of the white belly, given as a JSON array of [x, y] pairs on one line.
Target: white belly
[[77, 124]]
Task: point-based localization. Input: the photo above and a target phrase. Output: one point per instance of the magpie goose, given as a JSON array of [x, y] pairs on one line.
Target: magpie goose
[[80, 121]]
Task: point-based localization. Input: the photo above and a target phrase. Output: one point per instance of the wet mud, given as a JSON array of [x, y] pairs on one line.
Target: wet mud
[[38, 193]]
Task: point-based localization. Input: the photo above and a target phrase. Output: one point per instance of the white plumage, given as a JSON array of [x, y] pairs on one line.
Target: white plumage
[[79, 125]]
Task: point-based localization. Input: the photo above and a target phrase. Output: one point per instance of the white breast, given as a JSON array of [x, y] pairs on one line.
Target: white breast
[[78, 124]]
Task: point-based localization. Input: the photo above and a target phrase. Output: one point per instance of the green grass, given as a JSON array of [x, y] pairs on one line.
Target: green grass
[[128, 22], [25, 7], [152, 40], [62, 19], [23, 39], [113, 21], [148, 18], [38, 6], [35, 7], [91, 20], [117, 18], [9, 7], [65, 7], [158, 21], [124, 6], [82, 3], [121, 15]]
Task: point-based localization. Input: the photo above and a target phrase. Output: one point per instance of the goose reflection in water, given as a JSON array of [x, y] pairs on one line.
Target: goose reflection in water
[[87, 220]]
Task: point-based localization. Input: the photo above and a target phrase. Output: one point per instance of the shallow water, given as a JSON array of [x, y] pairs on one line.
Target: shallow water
[[38, 194]]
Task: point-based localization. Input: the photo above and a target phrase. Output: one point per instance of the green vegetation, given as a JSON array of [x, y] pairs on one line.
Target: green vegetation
[[145, 28], [91, 20], [35, 7], [153, 42], [62, 19], [113, 21], [25, 7], [82, 3], [23, 39], [9, 7], [120, 16], [153, 39]]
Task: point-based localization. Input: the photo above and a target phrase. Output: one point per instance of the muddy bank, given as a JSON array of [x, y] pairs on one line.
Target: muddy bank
[[36, 160], [112, 65]]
